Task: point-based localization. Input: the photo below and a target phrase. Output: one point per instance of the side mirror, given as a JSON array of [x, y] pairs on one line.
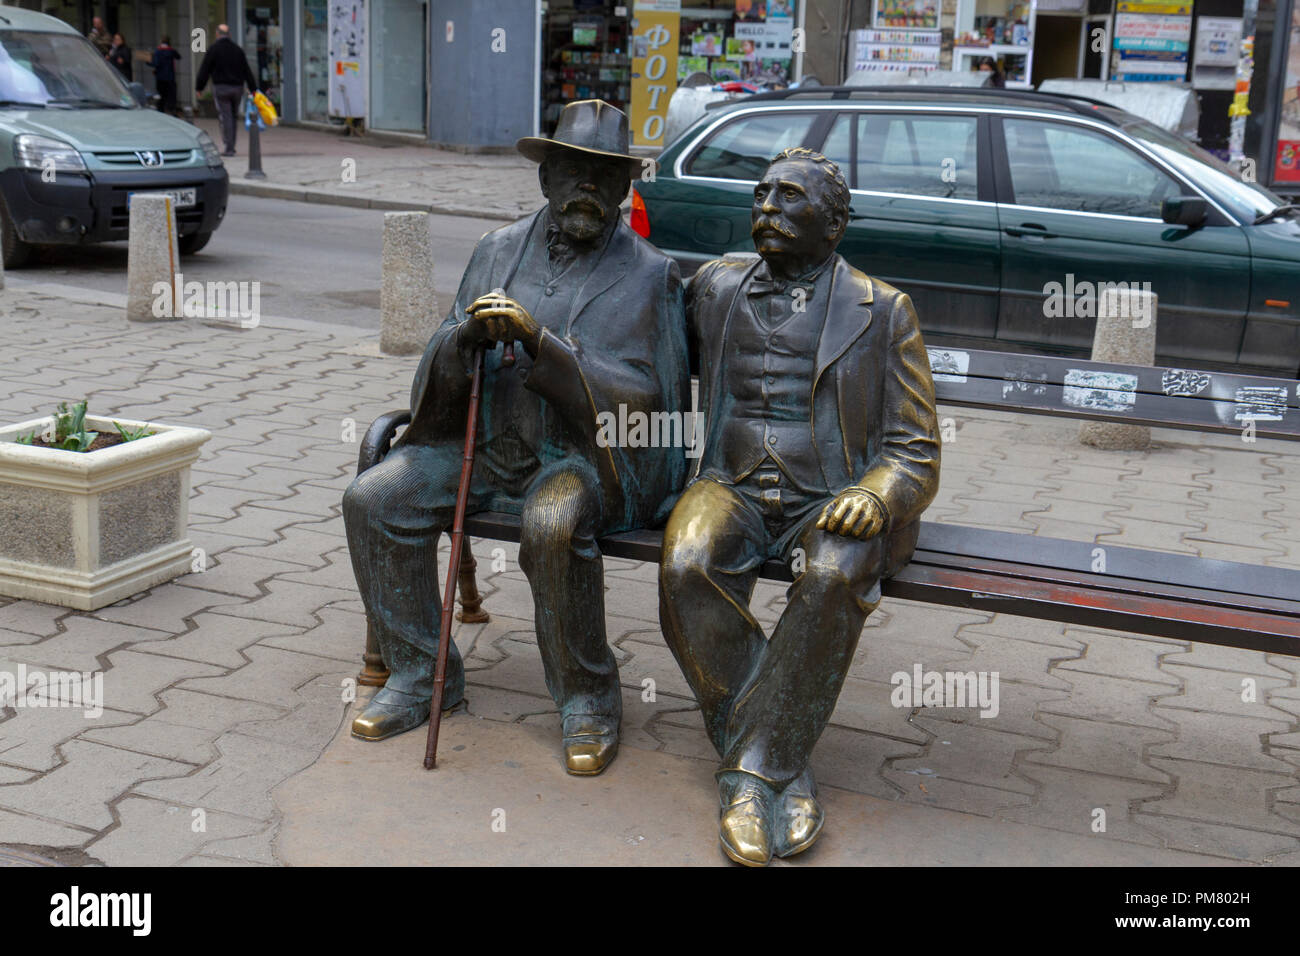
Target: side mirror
[[1185, 210], [138, 91]]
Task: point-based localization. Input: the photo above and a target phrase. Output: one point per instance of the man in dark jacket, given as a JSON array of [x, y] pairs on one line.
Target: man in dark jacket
[[597, 311], [226, 64], [163, 63]]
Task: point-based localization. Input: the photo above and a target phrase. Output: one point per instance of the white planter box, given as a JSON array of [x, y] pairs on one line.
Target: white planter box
[[86, 529]]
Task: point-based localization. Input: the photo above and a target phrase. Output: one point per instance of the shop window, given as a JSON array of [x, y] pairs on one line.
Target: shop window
[[744, 148], [1067, 167], [315, 60], [917, 155]]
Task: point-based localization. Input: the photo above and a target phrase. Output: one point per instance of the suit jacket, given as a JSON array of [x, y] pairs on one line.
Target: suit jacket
[[624, 343], [873, 417]]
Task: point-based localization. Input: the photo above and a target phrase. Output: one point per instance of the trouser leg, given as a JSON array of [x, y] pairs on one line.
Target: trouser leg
[[227, 98], [394, 514], [558, 553], [713, 546], [785, 704]]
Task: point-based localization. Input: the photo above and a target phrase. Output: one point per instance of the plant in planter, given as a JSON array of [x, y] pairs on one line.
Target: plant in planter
[[93, 510]]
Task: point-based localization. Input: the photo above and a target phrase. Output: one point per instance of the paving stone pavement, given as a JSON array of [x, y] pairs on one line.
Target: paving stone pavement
[[227, 690], [315, 165]]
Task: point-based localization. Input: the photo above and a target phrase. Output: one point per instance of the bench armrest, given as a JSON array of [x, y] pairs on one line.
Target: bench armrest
[[379, 436]]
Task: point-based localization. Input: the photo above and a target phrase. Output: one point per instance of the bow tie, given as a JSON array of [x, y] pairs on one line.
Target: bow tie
[[761, 286]]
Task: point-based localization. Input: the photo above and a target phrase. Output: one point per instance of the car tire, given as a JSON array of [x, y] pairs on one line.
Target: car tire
[[15, 251], [192, 243]]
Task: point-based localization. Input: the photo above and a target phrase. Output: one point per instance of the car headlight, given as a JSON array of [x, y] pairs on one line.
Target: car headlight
[[211, 154], [42, 152]]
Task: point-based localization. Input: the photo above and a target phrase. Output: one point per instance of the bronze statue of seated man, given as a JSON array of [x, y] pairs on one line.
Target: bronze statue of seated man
[[820, 449], [598, 313]]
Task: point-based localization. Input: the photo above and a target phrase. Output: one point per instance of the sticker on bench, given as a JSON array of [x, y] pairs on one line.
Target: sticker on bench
[[1183, 382], [949, 366], [1024, 380], [1102, 391], [1260, 403]]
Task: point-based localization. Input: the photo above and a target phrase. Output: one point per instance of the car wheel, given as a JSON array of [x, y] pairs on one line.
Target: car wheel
[[15, 251], [192, 243]]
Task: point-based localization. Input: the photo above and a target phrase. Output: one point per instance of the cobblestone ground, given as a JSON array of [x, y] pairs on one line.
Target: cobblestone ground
[[224, 684]]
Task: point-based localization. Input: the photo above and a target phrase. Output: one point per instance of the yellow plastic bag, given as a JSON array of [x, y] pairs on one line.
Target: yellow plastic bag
[[265, 109]]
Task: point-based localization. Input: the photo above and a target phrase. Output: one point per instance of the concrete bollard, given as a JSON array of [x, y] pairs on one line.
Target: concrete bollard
[[1126, 335], [407, 303], [151, 258]]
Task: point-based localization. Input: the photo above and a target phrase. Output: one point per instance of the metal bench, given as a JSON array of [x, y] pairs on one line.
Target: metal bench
[[1141, 591]]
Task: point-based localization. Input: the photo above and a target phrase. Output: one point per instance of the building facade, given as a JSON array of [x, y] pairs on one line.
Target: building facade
[[404, 67]]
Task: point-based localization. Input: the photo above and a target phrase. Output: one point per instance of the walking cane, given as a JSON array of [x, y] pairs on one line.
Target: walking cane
[[453, 561]]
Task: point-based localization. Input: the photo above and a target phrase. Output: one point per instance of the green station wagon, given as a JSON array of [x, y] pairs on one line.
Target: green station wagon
[[1004, 213], [75, 145]]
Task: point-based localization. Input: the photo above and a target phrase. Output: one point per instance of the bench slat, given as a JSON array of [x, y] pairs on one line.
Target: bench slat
[[1100, 391], [1158, 600]]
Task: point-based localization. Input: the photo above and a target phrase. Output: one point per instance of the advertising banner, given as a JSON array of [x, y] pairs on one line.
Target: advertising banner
[[347, 49], [656, 25]]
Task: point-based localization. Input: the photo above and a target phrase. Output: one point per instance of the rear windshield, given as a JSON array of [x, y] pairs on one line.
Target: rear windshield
[[56, 69]]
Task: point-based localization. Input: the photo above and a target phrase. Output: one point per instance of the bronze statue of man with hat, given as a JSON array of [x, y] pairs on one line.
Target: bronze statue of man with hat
[[820, 450], [598, 314]]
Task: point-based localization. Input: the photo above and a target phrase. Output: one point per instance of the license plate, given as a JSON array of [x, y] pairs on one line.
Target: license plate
[[181, 198]]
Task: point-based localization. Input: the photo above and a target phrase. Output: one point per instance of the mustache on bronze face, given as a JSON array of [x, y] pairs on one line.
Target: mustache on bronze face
[[582, 202], [768, 225]]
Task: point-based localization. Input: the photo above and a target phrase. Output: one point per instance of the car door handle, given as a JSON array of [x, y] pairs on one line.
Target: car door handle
[[1030, 230]]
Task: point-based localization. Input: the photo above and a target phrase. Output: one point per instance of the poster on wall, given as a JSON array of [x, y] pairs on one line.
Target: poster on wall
[[656, 25], [767, 40], [907, 13], [347, 58], [1287, 166], [1152, 47]]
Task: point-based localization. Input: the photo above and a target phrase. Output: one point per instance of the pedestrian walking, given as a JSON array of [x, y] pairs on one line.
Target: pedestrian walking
[[120, 56], [226, 64], [98, 35], [163, 62]]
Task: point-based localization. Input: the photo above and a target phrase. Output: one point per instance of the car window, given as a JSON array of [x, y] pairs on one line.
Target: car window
[[920, 155], [836, 147], [743, 149], [1059, 166]]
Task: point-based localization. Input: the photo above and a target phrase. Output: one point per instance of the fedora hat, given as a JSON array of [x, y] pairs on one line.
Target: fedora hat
[[587, 126]]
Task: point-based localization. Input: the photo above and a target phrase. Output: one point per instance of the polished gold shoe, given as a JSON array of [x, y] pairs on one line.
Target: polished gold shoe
[[745, 826], [800, 820], [381, 721], [390, 713], [590, 744]]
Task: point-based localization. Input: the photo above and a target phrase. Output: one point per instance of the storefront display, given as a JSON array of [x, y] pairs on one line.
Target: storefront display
[[264, 46], [584, 56], [892, 51], [1287, 162], [1000, 31], [315, 60], [615, 52]]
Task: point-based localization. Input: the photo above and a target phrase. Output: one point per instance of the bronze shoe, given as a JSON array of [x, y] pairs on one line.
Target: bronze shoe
[[590, 743], [745, 826], [390, 713], [800, 817]]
